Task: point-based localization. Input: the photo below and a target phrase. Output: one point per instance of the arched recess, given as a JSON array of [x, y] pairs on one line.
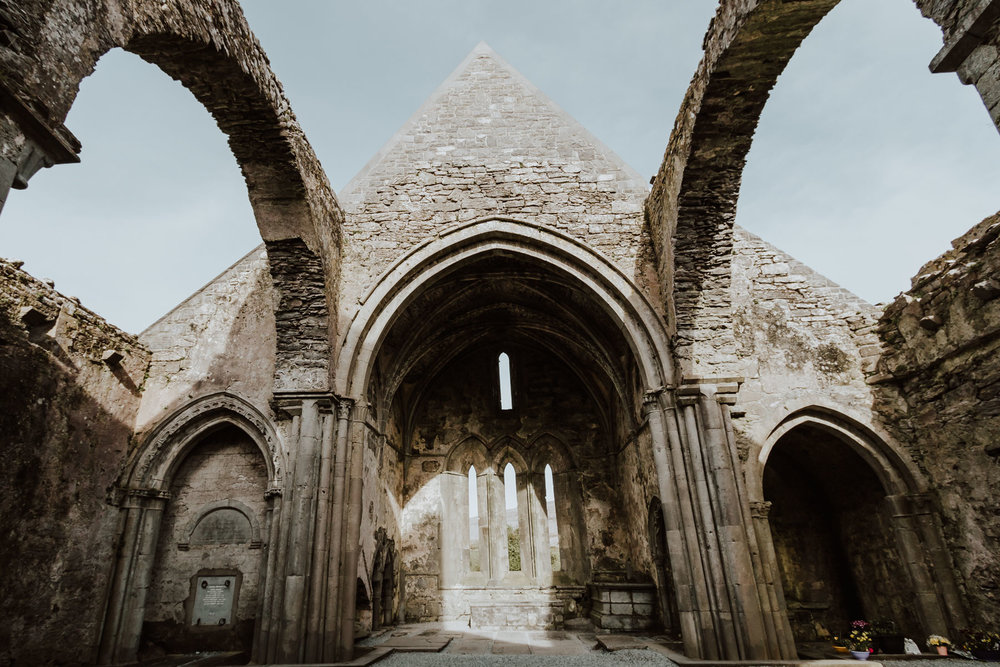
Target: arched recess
[[437, 319], [622, 301], [692, 206], [548, 450], [143, 492], [843, 517], [207, 46], [456, 513]]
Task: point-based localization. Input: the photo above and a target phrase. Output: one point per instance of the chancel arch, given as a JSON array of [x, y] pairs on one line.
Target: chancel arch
[[582, 346], [845, 515]]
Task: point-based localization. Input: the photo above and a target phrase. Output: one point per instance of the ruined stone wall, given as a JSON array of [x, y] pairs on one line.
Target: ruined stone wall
[[801, 340], [488, 143], [639, 486], [938, 389], [68, 406], [383, 491], [222, 338], [461, 403], [225, 466], [207, 46]]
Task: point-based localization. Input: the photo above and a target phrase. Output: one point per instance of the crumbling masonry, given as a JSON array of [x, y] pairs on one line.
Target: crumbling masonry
[[497, 380]]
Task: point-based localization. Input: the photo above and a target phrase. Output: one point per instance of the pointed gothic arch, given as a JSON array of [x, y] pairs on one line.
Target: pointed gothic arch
[[896, 493], [143, 491]]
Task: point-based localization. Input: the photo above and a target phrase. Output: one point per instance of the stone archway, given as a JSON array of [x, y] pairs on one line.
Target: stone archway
[[143, 493], [549, 299], [692, 206], [842, 513], [208, 46]]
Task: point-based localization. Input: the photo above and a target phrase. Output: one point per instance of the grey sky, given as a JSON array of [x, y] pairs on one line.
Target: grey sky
[[865, 165]]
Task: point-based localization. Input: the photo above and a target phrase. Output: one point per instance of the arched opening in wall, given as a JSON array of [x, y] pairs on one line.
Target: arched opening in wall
[[156, 209], [576, 406], [916, 160], [511, 519], [475, 562], [206, 578], [553, 522], [834, 538]]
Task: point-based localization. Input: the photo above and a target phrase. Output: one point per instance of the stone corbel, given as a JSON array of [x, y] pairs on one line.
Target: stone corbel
[[45, 144], [969, 35]]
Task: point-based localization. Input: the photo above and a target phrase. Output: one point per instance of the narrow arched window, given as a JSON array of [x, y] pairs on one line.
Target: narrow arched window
[[506, 395], [553, 524], [474, 562], [513, 532]]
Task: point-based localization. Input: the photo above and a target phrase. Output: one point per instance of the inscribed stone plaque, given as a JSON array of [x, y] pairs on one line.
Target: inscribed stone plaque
[[213, 600]]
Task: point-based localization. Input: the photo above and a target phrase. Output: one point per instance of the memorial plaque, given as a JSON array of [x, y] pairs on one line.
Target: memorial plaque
[[213, 600]]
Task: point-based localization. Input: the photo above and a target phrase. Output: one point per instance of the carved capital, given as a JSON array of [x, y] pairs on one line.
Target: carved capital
[[651, 400], [344, 407], [760, 509]]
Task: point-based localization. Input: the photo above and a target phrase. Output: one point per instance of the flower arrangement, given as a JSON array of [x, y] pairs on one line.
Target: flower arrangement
[[980, 640], [938, 640], [860, 638]]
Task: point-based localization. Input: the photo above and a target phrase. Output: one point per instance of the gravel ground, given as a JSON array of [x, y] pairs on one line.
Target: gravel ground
[[594, 659]]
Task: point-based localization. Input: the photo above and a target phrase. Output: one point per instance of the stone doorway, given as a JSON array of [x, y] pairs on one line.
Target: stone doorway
[[834, 538]]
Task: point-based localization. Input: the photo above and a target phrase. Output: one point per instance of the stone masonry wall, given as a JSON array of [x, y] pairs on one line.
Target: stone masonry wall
[[222, 338], [488, 143], [67, 406], [461, 403], [938, 388], [801, 340], [225, 466]]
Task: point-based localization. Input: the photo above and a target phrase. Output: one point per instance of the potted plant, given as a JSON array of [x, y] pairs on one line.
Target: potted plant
[[939, 643], [886, 639], [860, 640], [983, 645], [839, 645]]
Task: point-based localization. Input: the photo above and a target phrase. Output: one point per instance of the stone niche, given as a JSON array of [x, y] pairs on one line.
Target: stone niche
[[623, 606]]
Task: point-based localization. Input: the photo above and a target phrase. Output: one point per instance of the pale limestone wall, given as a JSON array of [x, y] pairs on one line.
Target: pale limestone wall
[[488, 143], [801, 340], [222, 338]]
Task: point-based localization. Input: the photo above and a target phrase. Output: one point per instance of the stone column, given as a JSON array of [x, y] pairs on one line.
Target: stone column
[[739, 602], [483, 513], [928, 523], [524, 527], [133, 570], [352, 533], [331, 623], [454, 515], [759, 511], [320, 556], [302, 415], [569, 515], [265, 602], [497, 508], [538, 517], [927, 601], [681, 533]]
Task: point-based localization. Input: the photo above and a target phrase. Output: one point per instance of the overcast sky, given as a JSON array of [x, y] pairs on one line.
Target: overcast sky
[[865, 165]]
